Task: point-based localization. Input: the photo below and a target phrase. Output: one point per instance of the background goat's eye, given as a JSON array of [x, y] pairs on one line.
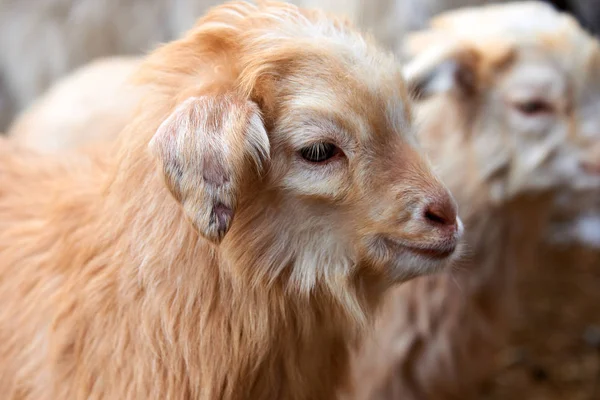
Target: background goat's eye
[[319, 152], [533, 107]]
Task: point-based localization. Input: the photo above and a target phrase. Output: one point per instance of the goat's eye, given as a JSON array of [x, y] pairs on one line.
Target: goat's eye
[[319, 152], [533, 107]]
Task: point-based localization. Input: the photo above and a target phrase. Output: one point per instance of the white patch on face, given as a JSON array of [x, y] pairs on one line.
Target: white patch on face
[[326, 180], [312, 247], [322, 257]]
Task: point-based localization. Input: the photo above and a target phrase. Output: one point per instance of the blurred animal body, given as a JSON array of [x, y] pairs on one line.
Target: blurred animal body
[[92, 104]]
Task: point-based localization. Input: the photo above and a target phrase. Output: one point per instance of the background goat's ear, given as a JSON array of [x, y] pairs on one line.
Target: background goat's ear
[[438, 71], [206, 146]]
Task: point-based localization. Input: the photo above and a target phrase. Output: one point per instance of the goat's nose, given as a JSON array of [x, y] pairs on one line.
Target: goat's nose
[[442, 212]]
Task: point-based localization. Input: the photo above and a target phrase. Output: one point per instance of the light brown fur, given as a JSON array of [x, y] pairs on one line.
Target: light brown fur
[[200, 256], [477, 72]]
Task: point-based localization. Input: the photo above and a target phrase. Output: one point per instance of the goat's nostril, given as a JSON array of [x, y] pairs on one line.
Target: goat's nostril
[[441, 213]]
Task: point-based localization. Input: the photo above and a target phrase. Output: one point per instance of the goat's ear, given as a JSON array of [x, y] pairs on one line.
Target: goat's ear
[[438, 71], [207, 146]]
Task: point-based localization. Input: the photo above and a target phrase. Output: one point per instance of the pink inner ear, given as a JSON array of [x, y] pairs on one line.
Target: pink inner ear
[[202, 145], [213, 172]]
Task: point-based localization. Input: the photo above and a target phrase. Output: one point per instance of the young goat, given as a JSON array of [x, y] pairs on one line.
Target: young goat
[[507, 106], [237, 237]]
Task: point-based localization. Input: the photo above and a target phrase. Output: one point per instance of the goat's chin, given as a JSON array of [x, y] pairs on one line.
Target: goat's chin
[[404, 261], [408, 265]]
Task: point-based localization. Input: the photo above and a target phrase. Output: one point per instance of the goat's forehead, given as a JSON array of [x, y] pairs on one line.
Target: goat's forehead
[[572, 67], [541, 74], [523, 24], [521, 18], [363, 109]]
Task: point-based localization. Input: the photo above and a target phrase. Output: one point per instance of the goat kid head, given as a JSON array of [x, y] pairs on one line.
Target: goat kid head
[[291, 147], [518, 85]]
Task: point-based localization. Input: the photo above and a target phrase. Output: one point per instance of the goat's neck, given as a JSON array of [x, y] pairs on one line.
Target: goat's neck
[[196, 305]]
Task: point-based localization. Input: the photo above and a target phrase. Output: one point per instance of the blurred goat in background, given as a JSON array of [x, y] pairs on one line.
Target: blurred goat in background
[[90, 105]]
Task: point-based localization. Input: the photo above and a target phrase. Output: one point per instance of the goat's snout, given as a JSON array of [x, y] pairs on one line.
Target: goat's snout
[[439, 218], [441, 212]]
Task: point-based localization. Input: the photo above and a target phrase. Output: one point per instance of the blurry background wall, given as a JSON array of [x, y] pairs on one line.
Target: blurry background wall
[[42, 40]]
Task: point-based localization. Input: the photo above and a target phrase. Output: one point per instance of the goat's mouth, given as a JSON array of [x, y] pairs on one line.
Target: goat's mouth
[[409, 259], [433, 252], [436, 252]]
